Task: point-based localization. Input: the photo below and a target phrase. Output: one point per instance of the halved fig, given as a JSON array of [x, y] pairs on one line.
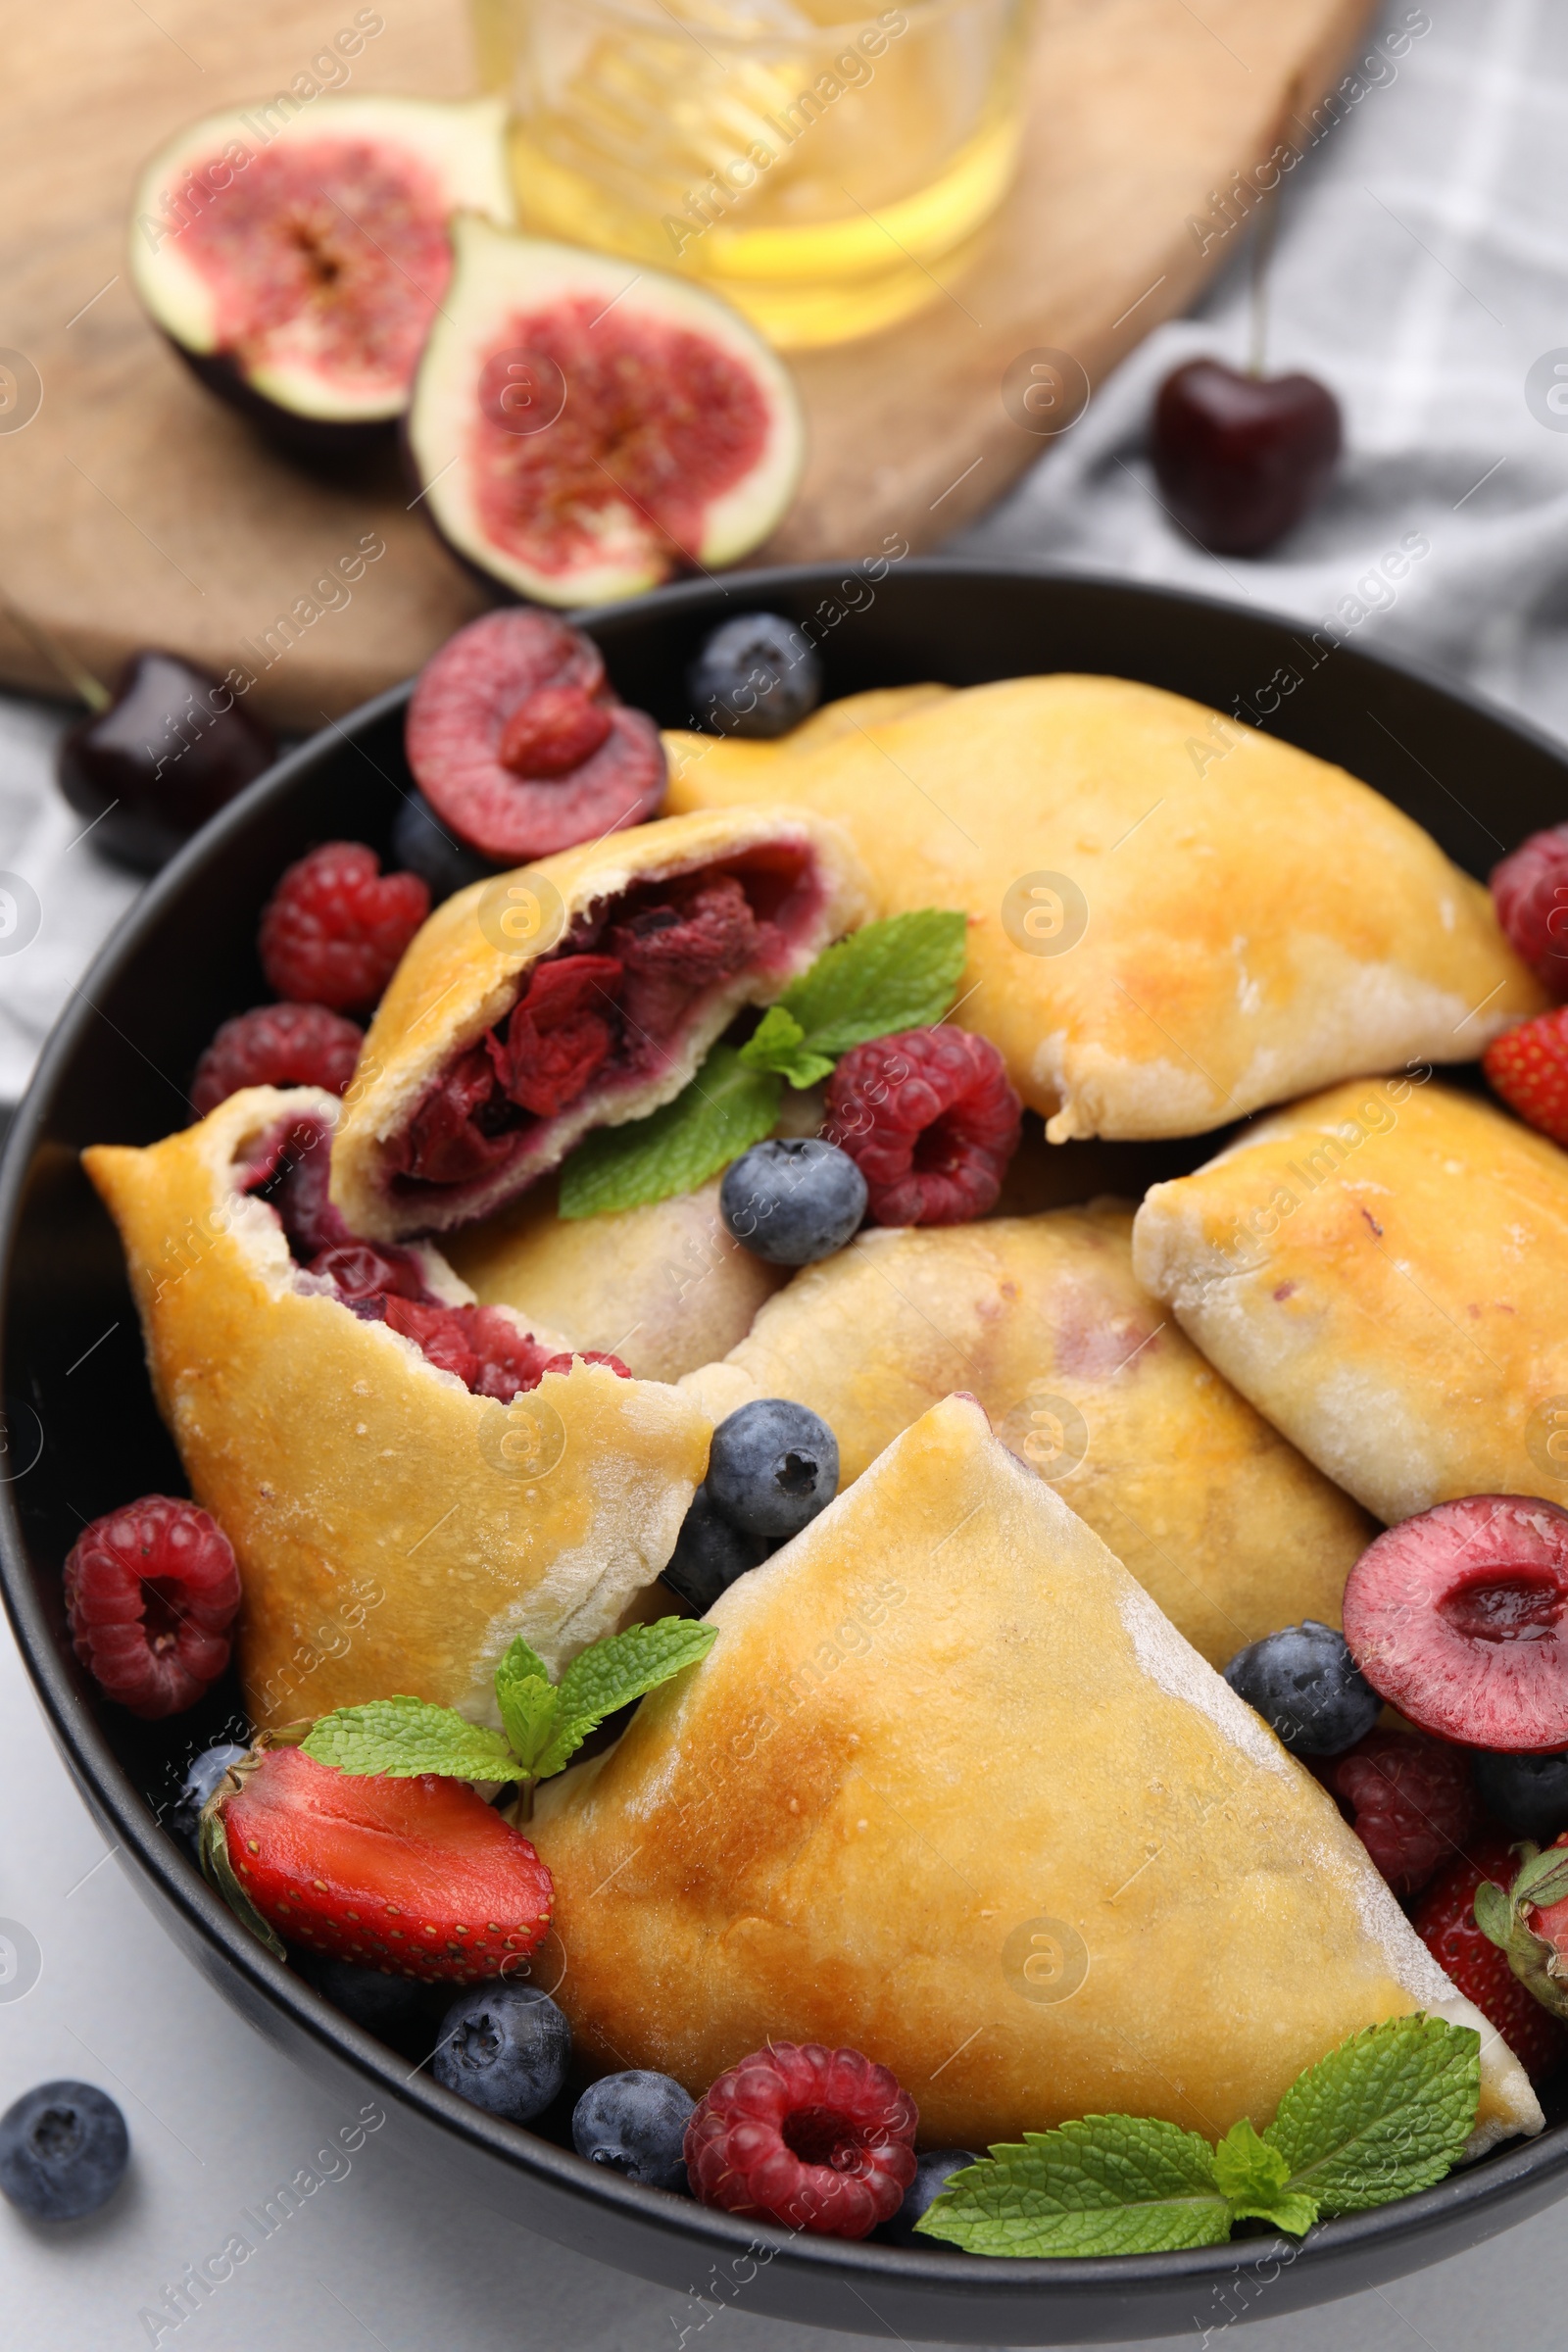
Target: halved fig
[[582, 428], [294, 255], [579, 992], [518, 741]]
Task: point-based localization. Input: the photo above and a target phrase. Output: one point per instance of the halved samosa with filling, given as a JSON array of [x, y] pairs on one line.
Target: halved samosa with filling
[[1089, 1381], [665, 1287], [1384, 1271], [577, 993], [408, 1480], [950, 1790], [1173, 918]]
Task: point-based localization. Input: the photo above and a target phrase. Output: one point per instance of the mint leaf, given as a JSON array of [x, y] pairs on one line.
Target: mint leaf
[[1387, 2113], [779, 1044], [727, 1109], [901, 973], [1252, 2176], [612, 1673], [403, 1737], [1109, 2185], [526, 1697]]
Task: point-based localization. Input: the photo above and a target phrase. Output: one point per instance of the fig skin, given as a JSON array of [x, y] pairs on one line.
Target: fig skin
[[308, 440]]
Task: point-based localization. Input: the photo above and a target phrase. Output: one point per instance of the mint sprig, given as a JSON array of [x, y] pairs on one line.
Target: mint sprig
[[727, 1109], [1384, 2115], [898, 974], [546, 1723], [901, 973]]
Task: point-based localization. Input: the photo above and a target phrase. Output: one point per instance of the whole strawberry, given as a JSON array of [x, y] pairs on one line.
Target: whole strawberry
[[1528, 1067], [1446, 1923], [1529, 891], [418, 1876]]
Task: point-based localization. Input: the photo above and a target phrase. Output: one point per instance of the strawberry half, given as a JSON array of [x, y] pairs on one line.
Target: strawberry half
[[1528, 1067], [1446, 1921], [419, 1878]]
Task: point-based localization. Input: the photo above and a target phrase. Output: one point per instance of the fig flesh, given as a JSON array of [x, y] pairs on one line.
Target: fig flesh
[[296, 261], [582, 429], [520, 745]]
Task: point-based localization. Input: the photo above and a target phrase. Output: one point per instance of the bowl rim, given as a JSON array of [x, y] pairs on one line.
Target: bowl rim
[[109, 1793]]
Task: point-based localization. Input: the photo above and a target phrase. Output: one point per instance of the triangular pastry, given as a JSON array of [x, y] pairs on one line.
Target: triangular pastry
[[950, 1790], [665, 1287], [394, 1531], [1174, 918], [1384, 1271], [579, 992], [1089, 1382]]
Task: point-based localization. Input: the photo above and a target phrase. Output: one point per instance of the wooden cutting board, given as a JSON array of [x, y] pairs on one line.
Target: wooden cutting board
[[135, 510]]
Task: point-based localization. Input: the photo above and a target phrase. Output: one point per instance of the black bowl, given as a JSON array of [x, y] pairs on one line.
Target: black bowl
[[81, 1435]]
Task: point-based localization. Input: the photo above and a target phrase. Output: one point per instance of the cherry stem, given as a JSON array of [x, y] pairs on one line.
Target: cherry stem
[[1262, 256], [87, 689]]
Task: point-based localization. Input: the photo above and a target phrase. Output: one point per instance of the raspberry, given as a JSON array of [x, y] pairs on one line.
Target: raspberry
[[931, 1121], [276, 1045], [334, 930], [1411, 1800], [151, 1591], [1446, 1921], [1529, 891], [819, 2139]]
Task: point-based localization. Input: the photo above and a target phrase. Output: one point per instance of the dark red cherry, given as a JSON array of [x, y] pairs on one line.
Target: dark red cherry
[[170, 747], [1240, 458]]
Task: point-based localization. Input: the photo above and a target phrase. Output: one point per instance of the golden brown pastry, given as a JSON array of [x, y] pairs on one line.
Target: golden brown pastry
[[665, 1287], [697, 761], [950, 1790], [1089, 1382], [1384, 1271], [581, 992], [1173, 918], [394, 1531]]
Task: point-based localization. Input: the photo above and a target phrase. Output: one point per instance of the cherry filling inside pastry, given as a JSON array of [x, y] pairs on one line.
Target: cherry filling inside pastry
[[610, 1006], [484, 1345]]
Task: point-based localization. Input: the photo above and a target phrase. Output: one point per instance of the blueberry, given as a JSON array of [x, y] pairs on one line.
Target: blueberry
[[792, 1200], [1305, 1683], [772, 1466], [1528, 1794], [757, 675], [389, 2007], [932, 2173], [63, 2149], [423, 844], [635, 2122], [709, 1555], [201, 1779], [504, 2048]]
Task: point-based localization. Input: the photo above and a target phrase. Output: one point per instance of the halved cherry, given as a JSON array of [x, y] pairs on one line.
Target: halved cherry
[[1459, 1618]]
